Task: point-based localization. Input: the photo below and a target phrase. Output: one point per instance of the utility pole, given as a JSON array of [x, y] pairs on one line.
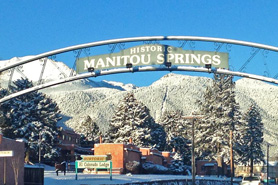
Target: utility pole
[[231, 156], [193, 153], [267, 160], [193, 118]]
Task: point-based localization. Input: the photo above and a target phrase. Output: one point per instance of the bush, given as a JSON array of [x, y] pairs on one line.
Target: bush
[[133, 167], [150, 168]]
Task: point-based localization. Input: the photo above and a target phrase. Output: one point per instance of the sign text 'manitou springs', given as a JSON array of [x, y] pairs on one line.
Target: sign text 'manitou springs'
[[152, 55]]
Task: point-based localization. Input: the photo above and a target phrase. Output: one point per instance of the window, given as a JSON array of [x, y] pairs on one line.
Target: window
[[63, 136], [70, 138]]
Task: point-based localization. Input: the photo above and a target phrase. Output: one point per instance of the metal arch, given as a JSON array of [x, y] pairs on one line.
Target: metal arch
[[142, 69], [136, 39]]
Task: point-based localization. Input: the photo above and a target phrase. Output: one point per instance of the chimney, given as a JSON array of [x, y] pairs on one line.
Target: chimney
[[174, 150], [130, 140], [100, 139]]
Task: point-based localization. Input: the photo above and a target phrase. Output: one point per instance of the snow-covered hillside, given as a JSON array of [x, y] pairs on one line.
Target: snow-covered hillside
[[78, 99]]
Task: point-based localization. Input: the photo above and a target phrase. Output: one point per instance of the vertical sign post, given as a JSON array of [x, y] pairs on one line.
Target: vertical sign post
[[6, 154]]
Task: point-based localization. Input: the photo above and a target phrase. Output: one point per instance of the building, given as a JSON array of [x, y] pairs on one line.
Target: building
[[205, 167], [124, 153], [69, 143], [10, 164]]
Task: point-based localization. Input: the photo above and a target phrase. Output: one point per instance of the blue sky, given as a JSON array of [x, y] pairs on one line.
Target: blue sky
[[30, 27]]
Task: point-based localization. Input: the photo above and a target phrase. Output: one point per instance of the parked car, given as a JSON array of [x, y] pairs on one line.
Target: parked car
[[251, 180]]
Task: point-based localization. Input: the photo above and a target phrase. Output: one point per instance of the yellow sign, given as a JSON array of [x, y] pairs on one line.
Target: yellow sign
[[96, 157], [9, 153]]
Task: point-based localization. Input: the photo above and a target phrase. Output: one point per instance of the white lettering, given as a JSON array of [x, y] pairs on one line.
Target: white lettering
[[132, 50], [195, 58], [187, 56], [137, 59], [125, 57], [160, 58], [170, 57], [206, 59], [216, 60], [169, 49], [143, 59], [88, 64], [179, 59], [110, 61], [100, 63]]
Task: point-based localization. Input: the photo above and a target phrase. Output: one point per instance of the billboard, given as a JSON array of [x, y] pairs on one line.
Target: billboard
[[152, 54]]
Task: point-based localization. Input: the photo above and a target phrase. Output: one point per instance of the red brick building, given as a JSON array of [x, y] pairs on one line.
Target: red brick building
[[123, 153], [70, 145], [8, 165], [205, 167]]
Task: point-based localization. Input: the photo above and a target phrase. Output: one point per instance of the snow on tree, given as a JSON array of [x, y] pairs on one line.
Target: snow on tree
[[176, 133], [89, 131], [4, 124], [177, 165], [221, 115], [131, 120], [253, 139], [32, 115]]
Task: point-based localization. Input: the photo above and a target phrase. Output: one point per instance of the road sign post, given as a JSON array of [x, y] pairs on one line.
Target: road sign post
[[94, 162]]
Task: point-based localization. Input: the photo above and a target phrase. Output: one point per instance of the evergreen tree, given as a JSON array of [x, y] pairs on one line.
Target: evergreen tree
[[177, 165], [33, 116], [253, 139], [4, 124], [220, 116], [132, 120], [176, 133], [89, 131]]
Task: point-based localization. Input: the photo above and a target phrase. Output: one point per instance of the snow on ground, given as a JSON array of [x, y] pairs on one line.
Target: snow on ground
[[51, 178], [92, 179]]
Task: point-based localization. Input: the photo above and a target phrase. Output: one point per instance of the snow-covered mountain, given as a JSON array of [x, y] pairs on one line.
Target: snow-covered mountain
[[78, 99], [53, 71]]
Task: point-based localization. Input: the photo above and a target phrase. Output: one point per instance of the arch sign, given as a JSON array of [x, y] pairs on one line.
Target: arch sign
[[152, 54]]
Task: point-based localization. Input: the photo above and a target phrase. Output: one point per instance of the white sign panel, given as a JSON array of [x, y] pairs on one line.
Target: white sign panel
[[92, 164], [6, 153]]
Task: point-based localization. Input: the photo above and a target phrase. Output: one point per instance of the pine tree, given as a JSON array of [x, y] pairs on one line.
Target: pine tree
[[33, 116], [89, 131], [253, 139], [220, 116], [5, 126], [176, 133], [177, 165], [131, 120]]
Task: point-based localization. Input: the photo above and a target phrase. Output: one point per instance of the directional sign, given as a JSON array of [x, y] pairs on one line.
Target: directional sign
[[8, 153], [94, 157], [93, 164]]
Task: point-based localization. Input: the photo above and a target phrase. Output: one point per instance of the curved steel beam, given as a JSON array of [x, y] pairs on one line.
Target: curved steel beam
[[141, 69], [136, 39]]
